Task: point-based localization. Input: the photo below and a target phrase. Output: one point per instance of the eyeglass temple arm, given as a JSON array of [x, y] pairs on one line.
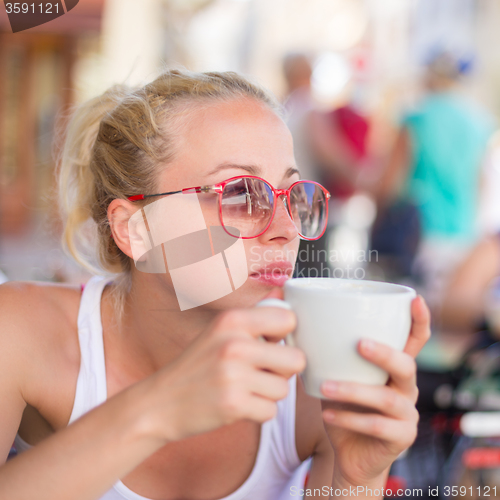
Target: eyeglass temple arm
[[198, 189]]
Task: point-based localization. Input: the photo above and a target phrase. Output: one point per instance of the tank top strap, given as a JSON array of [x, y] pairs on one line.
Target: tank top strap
[[288, 418], [285, 448], [91, 388]]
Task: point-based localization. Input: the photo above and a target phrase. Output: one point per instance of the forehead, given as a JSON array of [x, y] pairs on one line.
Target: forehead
[[239, 132]]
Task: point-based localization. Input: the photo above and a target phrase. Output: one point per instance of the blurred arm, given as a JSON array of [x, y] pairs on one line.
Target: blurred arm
[[463, 301]]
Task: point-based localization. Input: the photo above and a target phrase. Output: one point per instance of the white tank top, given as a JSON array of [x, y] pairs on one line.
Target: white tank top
[[277, 467]]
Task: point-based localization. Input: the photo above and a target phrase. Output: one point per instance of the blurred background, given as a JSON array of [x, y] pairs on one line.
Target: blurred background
[[393, 105], [371, 54]]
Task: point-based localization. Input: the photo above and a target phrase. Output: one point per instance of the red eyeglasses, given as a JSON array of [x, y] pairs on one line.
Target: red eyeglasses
[[247, 205]]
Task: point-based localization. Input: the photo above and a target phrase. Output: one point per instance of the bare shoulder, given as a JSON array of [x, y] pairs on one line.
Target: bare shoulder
[[38, 321], [24, 305], [39, 354]]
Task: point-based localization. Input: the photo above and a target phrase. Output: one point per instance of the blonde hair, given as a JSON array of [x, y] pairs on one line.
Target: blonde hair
[[114, 146]]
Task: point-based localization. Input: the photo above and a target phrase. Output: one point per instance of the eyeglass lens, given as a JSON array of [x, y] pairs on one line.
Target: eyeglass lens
[[308, 207], [248, 204]]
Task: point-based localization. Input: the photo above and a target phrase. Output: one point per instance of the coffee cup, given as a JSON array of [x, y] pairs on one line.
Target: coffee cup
[[333, 315]]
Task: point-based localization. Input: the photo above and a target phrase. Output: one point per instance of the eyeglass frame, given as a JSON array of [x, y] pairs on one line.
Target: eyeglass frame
[[219, 189]]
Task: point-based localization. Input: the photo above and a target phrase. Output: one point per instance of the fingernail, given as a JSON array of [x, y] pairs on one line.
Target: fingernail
[[330, 387], [368, 346]]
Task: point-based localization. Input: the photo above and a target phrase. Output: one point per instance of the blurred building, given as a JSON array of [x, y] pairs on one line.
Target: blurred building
[[36, 87]]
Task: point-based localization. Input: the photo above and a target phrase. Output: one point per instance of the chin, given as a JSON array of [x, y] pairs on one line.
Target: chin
[[249, 294]]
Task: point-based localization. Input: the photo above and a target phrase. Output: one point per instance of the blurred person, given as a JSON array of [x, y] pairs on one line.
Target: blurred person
[[428, 200], [181, 404], [324, 142], [435, 166], [347, 131], [327, 147], [300, 107], [299, 104]]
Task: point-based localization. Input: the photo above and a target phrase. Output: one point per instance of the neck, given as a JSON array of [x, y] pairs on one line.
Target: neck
[[153, 331]]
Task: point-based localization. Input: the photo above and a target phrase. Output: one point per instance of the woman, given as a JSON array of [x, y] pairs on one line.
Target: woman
[[181, 404]]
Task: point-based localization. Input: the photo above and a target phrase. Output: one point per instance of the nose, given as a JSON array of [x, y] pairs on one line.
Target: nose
[[282, 225]]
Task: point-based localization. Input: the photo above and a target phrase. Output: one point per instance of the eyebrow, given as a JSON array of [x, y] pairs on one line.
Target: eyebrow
[[251, 169]]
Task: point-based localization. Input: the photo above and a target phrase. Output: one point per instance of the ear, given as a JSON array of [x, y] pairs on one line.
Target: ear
[[128, 228]]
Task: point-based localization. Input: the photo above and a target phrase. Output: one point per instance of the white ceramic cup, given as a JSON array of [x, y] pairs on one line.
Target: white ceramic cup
[[333, 315]]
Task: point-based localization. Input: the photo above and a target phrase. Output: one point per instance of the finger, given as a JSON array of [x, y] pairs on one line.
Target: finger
[[401, 366], [381, 398], [279, 359], [268, 385], [273, 322], [421, 329], [260, 409], [401, 433], [272, 302]]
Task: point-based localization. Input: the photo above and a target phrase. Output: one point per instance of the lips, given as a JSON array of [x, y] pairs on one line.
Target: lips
[[274, 273]]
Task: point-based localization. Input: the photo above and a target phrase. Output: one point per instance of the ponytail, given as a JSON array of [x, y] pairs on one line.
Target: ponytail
[[75, 177]]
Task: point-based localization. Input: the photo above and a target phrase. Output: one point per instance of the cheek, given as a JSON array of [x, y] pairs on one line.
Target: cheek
[[293, 250], [210, 207]]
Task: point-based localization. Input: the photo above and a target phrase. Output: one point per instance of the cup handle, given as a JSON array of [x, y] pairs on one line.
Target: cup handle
[[284, 305]]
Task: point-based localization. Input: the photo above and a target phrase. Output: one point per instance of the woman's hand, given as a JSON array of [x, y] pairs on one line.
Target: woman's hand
[[224, 376], [369, 426]]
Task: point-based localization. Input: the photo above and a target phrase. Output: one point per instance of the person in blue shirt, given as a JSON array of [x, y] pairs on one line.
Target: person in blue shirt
[[435, 165]]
